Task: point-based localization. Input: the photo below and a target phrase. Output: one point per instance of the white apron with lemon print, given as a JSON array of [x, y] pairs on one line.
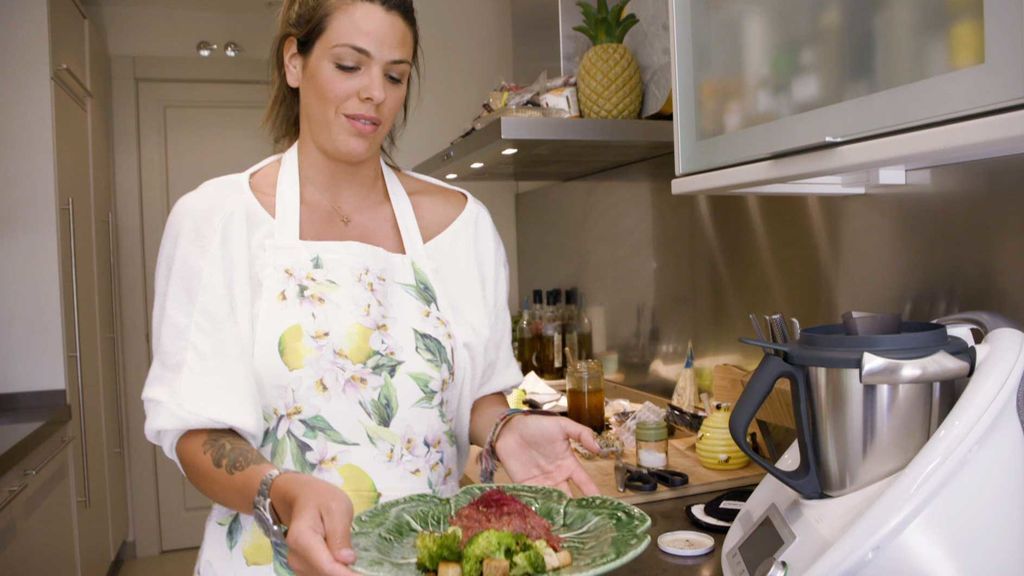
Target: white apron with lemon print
[[353, 359]]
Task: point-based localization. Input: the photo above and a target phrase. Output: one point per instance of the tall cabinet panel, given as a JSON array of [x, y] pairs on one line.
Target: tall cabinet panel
[[84, 199], [105, 243], [71, 130]]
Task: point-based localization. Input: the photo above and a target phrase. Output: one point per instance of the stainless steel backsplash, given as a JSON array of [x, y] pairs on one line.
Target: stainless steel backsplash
[[695, 266]]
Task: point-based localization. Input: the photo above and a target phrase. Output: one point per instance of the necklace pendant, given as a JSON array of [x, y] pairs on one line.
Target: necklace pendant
[[344, 219]]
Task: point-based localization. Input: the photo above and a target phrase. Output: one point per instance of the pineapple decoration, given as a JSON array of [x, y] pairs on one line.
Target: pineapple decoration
[[608, 80]]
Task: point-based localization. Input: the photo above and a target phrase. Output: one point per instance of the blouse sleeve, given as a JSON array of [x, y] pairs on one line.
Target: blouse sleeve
[[499, 371], [202, 374]]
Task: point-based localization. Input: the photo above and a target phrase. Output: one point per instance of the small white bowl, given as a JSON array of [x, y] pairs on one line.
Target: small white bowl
[[686, 543]]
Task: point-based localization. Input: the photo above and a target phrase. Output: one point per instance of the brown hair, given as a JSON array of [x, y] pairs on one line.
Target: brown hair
[[306, 20]]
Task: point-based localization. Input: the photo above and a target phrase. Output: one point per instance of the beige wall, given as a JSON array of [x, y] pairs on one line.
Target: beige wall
[[705, 262], [31, 346], [172, 29]]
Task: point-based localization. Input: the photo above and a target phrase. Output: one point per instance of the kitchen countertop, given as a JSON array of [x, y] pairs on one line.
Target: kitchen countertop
[[666, 516], [26, 420], [682, 457]]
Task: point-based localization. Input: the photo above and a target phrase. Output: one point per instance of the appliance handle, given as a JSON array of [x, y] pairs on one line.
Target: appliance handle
[[804, 480], [83, 438], [938, 367]]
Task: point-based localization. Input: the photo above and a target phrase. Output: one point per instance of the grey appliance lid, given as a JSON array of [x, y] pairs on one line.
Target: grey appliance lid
[[829, 346]]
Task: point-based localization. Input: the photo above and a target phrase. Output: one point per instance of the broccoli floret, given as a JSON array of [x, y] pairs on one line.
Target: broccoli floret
[[432, 548], [491, 544], [527, 562]]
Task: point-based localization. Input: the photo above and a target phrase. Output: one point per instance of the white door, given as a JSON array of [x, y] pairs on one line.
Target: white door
[[190, 132]]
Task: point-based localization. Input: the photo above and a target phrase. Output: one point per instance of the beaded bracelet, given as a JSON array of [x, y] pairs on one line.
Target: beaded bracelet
[[489, 454]]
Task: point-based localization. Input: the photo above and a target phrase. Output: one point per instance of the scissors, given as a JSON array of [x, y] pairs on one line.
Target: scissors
[[641, 479]]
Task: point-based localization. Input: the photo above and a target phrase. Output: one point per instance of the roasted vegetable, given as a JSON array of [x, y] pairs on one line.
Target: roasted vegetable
[[529, 561], [432, 548], [491, 544]]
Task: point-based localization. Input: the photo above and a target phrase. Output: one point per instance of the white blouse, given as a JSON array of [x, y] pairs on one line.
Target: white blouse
[[204, 313]]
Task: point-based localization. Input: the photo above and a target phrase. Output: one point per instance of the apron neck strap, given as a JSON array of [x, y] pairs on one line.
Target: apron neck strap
[[288, 201], [412, 240]]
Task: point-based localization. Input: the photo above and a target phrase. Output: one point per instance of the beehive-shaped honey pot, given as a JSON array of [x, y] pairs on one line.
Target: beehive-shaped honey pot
[[715, 447]]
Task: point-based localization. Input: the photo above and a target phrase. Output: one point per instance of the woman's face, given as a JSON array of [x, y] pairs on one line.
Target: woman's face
[[353, 83]]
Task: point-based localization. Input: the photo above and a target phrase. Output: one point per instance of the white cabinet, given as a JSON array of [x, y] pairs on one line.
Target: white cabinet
[[756, 80], [37, 521]]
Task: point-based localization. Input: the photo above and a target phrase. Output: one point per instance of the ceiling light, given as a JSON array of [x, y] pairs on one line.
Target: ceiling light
[[232, 49], [205, 49], [476, 165], [509, 151], [451, 176]]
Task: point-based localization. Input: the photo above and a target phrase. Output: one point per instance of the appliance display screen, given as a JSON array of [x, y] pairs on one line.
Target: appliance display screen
[[762, 543]]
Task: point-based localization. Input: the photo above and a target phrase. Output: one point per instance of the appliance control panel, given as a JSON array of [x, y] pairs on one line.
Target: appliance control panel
[[757, 554]]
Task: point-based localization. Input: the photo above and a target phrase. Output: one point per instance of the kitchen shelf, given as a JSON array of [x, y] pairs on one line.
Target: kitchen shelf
[[857, 167], [550, 149]]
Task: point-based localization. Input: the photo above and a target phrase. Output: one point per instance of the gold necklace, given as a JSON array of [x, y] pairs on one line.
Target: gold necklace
[[344, 219]]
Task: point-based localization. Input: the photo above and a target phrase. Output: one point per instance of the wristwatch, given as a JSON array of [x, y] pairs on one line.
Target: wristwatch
[[264, 513]]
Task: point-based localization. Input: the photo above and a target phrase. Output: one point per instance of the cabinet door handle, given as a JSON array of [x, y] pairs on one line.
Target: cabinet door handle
[[12, 493], [87, 499], [39, 468], [74, 77], [116, 340]]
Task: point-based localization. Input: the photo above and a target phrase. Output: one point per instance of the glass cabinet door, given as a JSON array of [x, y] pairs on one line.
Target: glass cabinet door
[[760, 78]]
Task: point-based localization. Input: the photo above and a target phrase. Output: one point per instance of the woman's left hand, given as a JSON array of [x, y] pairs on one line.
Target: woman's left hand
[[535, 450]]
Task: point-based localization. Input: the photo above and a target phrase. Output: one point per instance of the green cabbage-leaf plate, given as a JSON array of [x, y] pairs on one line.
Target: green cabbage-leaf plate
[[602, 533]]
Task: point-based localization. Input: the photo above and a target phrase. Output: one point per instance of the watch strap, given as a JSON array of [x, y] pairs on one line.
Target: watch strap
[[263, 509]]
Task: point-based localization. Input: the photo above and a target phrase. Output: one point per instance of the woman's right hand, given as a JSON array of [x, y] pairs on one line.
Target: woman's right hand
[[319, 519]]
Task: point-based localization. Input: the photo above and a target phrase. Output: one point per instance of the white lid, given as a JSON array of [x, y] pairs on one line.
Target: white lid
[[686, 543]]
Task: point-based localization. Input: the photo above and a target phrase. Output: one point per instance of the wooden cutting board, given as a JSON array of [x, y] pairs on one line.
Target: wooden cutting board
[[682, 456]]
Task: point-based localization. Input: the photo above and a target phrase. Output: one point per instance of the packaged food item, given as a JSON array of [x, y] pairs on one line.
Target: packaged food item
[[564, 99]]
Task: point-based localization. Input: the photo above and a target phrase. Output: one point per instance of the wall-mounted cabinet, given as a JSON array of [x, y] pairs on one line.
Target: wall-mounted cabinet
[[810, 74]]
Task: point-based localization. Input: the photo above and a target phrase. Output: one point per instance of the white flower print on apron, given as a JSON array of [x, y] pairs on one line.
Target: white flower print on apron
[[354, 361]]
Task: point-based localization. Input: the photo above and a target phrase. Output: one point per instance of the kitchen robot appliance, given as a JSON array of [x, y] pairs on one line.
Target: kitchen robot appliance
[[888, 475]]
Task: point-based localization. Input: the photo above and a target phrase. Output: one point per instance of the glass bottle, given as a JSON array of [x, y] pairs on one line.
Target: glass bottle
[[551, 364], [570, 329], [584, 333], [528, 335]]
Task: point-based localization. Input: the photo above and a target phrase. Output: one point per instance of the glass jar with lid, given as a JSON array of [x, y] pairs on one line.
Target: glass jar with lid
[[652, 444]]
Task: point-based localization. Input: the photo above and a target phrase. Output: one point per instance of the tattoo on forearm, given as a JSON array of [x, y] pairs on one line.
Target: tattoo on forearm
[[229, 451]]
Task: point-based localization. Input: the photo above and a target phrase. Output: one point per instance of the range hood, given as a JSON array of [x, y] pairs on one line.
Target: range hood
[[549, 149]]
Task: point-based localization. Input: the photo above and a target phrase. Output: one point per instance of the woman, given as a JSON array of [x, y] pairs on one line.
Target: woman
[[323, 321]]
